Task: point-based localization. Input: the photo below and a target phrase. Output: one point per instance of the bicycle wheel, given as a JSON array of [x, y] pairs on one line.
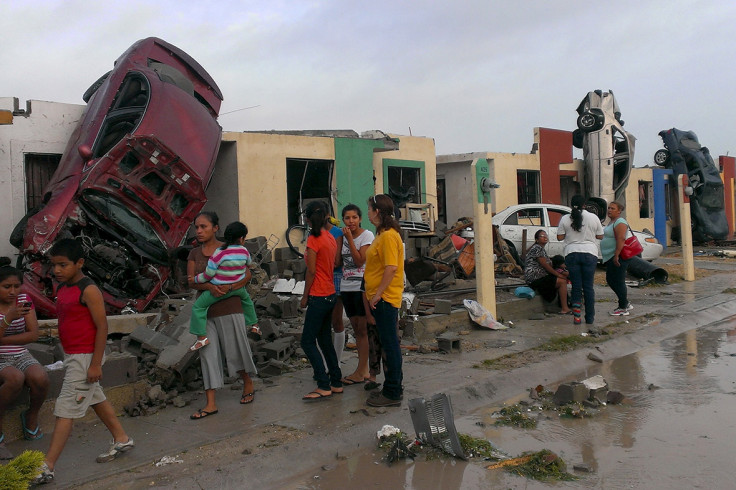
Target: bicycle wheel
[[296, 237]]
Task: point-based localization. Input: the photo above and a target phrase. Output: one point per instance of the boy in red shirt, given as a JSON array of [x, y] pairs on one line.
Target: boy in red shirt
[[83, 334]]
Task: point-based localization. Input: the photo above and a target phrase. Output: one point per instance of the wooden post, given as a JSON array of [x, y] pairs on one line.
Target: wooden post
[[485, 277], [686, 229]]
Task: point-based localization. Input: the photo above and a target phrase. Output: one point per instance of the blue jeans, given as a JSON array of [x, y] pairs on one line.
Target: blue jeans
[[616, 279], [318, 330], [386, 317], [582, 266]]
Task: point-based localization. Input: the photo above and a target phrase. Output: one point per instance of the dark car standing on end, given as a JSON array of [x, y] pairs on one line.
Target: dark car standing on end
[[685, 156], [131, 179]]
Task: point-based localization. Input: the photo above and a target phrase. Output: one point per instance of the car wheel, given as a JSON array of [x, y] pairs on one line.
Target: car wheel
[[597, 206], [514, 253], [93, 88], [590, 121], [577, 138], [661, 157]]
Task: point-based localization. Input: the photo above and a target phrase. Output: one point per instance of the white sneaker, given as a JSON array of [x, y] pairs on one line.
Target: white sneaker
[[620, 312], [629, 306], [115, 450]]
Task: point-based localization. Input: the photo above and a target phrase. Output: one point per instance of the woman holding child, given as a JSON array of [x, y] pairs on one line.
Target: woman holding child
[[18, 326], [226, 330]]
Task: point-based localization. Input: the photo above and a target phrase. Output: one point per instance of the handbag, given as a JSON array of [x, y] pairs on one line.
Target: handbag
[[632, 247]]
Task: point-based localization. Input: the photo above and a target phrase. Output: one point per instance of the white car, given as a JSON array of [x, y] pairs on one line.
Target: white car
[[515, 220]]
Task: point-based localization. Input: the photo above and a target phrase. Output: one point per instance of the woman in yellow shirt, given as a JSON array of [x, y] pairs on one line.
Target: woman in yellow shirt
[[384, 286]]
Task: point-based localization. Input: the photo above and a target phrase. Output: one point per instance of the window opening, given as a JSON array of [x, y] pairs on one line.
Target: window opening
[[645, 199], [404, 185], [317, 178], [528, 186], [39, 169]]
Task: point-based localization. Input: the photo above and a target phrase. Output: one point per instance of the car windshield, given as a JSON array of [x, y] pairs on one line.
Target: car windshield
[[136, 230]]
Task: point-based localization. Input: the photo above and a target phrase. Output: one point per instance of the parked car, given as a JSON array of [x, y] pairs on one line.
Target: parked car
[[608, 149], [131, 178], [515, 220], [684, 155]]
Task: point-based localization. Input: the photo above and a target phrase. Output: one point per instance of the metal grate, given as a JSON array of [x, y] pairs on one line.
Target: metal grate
[[434, 423]]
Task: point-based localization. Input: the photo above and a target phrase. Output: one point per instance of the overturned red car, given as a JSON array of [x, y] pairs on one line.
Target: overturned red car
[[131, 178]]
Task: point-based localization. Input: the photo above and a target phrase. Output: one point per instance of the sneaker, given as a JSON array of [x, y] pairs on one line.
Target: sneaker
[[629, 306], [115, 449], [46, 476], [382, 401], [620, 312]]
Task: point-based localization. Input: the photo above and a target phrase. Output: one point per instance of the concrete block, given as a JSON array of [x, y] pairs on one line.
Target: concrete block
[[297, 265], [281, 266], [289, 308], [299, 277], [255, 244], [597, 387], [277, 350], [442, 306], [449, 342], [273, 368], [570, 392], [42, 352], [120, 368], [268, 329], [293, 332], [287, 274], [270, 268], [126, 324], [284, 253], [267, 300]]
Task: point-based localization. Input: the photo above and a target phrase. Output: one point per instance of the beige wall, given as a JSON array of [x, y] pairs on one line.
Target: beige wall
[[503, 168], [632, 200], [261, 176]]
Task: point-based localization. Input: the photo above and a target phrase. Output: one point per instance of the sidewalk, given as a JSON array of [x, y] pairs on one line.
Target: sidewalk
[[345, 424]]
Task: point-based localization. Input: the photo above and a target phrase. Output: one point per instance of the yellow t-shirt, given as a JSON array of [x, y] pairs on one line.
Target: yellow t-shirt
[[386, 249]]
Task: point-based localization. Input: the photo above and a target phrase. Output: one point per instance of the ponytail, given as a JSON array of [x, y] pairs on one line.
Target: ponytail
[[576, 215]]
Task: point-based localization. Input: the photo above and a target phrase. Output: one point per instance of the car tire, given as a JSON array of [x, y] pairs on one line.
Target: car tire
[[597, 206], [514, 253], [93, 88], [590, 121], [661, 157], [577, 138]]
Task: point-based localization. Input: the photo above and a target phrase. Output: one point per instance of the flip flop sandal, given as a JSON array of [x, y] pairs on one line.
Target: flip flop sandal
[[256, 330], [199, 344], [202, 413], [30, 435], [243, 400], [350, 382], [319, 396]]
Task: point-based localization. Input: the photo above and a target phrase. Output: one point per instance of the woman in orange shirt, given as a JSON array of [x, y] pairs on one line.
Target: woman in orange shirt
[[319, 299]]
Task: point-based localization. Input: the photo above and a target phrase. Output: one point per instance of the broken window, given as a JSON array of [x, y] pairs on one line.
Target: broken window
[[404, 185], [307, 180], [645, 199], [528, 186], [125, 113], [39, 170], [441, 201]]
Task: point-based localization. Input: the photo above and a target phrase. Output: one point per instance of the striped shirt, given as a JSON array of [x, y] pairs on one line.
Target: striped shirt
[[16, 327], [226, 266]]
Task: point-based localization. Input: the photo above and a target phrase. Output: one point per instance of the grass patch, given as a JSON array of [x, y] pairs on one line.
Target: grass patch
[[567, 343], [474, 447], [543, 466], [516, 416]]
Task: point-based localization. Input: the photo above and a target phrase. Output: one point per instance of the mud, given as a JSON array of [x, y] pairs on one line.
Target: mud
[[674, 430]]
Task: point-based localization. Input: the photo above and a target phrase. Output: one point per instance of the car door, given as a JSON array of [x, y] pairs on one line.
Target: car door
[[553, 217], [529, 219]]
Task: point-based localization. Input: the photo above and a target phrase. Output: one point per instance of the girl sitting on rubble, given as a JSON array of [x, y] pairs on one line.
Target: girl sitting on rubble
[[227, 266]]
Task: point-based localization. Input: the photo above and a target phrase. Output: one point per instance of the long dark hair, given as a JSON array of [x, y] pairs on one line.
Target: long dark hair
[[351, 207], [316, 215], [234, 232], [211, 217], [7, 270], [576, 215], [385, 207]]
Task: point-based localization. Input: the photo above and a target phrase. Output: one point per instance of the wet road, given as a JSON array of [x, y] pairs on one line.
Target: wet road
[[676, 429]]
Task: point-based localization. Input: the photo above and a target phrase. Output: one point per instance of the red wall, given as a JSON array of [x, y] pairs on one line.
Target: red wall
[[555, 147], [728, 167]]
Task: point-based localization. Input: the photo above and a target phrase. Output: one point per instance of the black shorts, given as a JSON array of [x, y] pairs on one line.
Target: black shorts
[[353, 303], [546, 286]]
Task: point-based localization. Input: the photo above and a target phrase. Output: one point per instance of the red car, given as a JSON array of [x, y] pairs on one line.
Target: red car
[[131, 179]]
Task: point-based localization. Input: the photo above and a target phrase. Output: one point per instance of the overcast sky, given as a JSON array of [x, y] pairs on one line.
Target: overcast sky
[[474, 75]]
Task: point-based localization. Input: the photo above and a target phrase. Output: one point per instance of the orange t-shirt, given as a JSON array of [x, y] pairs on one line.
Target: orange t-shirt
[[325, 247]]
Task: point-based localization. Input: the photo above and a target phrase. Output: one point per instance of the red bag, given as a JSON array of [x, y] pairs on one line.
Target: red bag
[[632, 247]]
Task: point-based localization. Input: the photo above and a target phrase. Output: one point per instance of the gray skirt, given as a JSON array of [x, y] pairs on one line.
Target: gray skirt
[[228, 339]]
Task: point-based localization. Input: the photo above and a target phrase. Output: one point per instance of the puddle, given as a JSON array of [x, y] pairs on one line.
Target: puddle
[[676, 429]]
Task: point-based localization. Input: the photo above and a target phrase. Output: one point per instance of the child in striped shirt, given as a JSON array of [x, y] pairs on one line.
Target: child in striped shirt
[[227, 266]]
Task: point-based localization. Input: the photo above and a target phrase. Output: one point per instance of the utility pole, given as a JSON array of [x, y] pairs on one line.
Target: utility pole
[[485, 276]]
